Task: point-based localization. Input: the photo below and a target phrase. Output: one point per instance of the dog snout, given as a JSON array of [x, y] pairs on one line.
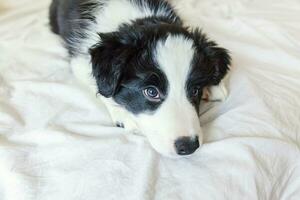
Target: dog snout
[[186, 145]]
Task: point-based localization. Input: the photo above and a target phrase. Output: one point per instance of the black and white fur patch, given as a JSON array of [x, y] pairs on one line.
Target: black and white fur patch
[[149, 69]]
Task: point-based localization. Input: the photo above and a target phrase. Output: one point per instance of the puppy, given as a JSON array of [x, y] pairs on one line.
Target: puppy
[[149, 69]]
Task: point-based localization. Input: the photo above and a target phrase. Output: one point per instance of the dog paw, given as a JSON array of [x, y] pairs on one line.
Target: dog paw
[[128, 125]]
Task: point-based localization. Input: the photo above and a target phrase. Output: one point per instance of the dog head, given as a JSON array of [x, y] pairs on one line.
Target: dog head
[[157, 73]]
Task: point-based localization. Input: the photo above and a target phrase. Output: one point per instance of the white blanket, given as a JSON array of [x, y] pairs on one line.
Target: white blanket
[[58, 143]]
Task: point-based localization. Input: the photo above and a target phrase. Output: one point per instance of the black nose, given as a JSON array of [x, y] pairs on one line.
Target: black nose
[[186, 145]]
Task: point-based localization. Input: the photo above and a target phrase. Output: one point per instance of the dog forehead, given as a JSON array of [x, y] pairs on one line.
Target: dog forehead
[[174, 56]]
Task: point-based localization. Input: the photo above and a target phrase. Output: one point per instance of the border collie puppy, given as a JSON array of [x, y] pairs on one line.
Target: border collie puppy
[[149, 69]]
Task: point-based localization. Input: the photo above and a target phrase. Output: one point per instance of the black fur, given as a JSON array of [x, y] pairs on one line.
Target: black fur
[[123, 67], [53, 17], [127, 51], [70, 19], [210, 65]]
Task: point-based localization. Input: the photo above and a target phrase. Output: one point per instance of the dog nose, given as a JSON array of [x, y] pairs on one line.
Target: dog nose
[[186, 145]]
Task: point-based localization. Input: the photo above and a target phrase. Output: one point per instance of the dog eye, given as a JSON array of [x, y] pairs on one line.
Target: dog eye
[[152, 93], [196, 92]]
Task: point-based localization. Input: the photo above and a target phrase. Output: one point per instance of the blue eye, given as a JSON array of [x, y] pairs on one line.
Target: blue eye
[[152, 93]]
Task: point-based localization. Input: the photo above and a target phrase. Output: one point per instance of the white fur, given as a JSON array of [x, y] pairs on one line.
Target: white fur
[[176, 117], [114, 13], [82, 70], [117, 12]]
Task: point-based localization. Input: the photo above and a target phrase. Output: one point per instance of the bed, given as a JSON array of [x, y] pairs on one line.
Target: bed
[[58, 142]]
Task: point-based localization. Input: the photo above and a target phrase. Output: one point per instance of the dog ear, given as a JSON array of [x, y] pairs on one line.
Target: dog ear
[[109, 58], [216, 59]]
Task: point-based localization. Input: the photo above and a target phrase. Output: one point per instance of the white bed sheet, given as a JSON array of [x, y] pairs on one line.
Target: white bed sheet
[[57, 142]]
